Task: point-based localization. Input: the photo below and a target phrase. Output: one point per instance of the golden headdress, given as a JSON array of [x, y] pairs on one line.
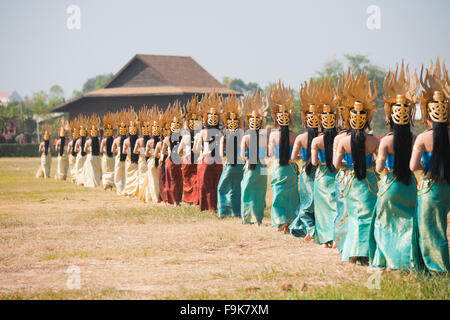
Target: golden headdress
[[232, 112], [82, 124], [94, 125], [145, 121], [75, 128], [165, 120], [211, 105], [155, 120], [310, 104], [63, 127], [46, 131], [255, 108], [133, 121], [327, 102], [400, 100], [434, 99], [345, 101], [176, 116], [281, 104], [108, 124], [121, 119], [192, 112], [361, 90]]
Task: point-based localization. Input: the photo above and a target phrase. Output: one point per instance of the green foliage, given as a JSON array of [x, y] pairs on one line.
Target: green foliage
[[96, 83], [240, 85]]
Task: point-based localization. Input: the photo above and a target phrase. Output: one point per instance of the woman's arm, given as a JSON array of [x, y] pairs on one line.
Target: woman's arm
[[315, 151], [337, 161], [416, 155], [381, 157], [296, 148]]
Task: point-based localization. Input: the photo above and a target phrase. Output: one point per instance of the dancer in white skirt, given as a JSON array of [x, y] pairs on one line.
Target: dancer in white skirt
[[106, 149]]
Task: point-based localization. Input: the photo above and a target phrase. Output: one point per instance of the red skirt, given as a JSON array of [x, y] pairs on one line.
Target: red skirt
[[162, 181], [190, 192], [174, 182], [208, 176]]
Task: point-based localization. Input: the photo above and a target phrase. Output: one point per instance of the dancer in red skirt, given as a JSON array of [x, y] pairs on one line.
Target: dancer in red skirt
[[186, 150], [209, 166], [174, 178], [161, 153]]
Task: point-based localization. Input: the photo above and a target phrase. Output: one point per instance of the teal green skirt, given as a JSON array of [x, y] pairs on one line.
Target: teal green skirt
[[341, 219], [285, 197], [392, 239], [253, 196], [360, 200], [433, 205], [304, 221], [324, 204], [229, 191]]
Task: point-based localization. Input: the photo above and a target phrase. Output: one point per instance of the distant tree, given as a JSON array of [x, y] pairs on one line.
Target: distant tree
[[240, 85], [96, 83], [55, 96]]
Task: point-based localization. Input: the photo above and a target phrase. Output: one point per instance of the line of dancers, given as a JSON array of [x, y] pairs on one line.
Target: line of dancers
[[379, 203]]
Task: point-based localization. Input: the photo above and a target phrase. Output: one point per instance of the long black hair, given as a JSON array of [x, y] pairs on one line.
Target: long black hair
[[61, 146], [192, 136], [109, 143], [146, 138], [312, 133], [328, 140], [83, 142], [74, 141], [123, 156], [213, 138], [358, 145], [284, 145], [440, 159], [156, 140], [402, 150], [254, 135], [173, 142], [134, 156], [95, 146], [46, 146]]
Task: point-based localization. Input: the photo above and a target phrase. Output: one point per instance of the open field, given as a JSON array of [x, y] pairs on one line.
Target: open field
[[126, 249]]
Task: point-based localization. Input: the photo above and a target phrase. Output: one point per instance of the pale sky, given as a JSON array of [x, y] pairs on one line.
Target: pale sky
[[260, 41]]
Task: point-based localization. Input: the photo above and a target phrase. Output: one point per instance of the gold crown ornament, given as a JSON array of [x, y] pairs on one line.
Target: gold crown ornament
[[281, 103], [400, 99], [82, 123], [74, 128], [232, 112], [144, 121], [192, 114], [121, 120], [176, 116], [211, 104], [344, 99], [63, 127], [155, 119], [133, 122], [255, 107], [94, 125], [46, 131], [309, 107], [362, 112], [165, 121], [327, 100], [108, 124], [434, 100]]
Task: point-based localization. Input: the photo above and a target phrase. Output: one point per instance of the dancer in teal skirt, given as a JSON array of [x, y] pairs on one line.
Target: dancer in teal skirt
[[304, 224], [432, 147], [284, 173], [393, 240], [229, 187], [361, 188], [254, 147], [324, 181]]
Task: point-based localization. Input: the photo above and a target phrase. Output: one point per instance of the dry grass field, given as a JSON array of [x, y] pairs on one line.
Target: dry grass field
[[126, 249]]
